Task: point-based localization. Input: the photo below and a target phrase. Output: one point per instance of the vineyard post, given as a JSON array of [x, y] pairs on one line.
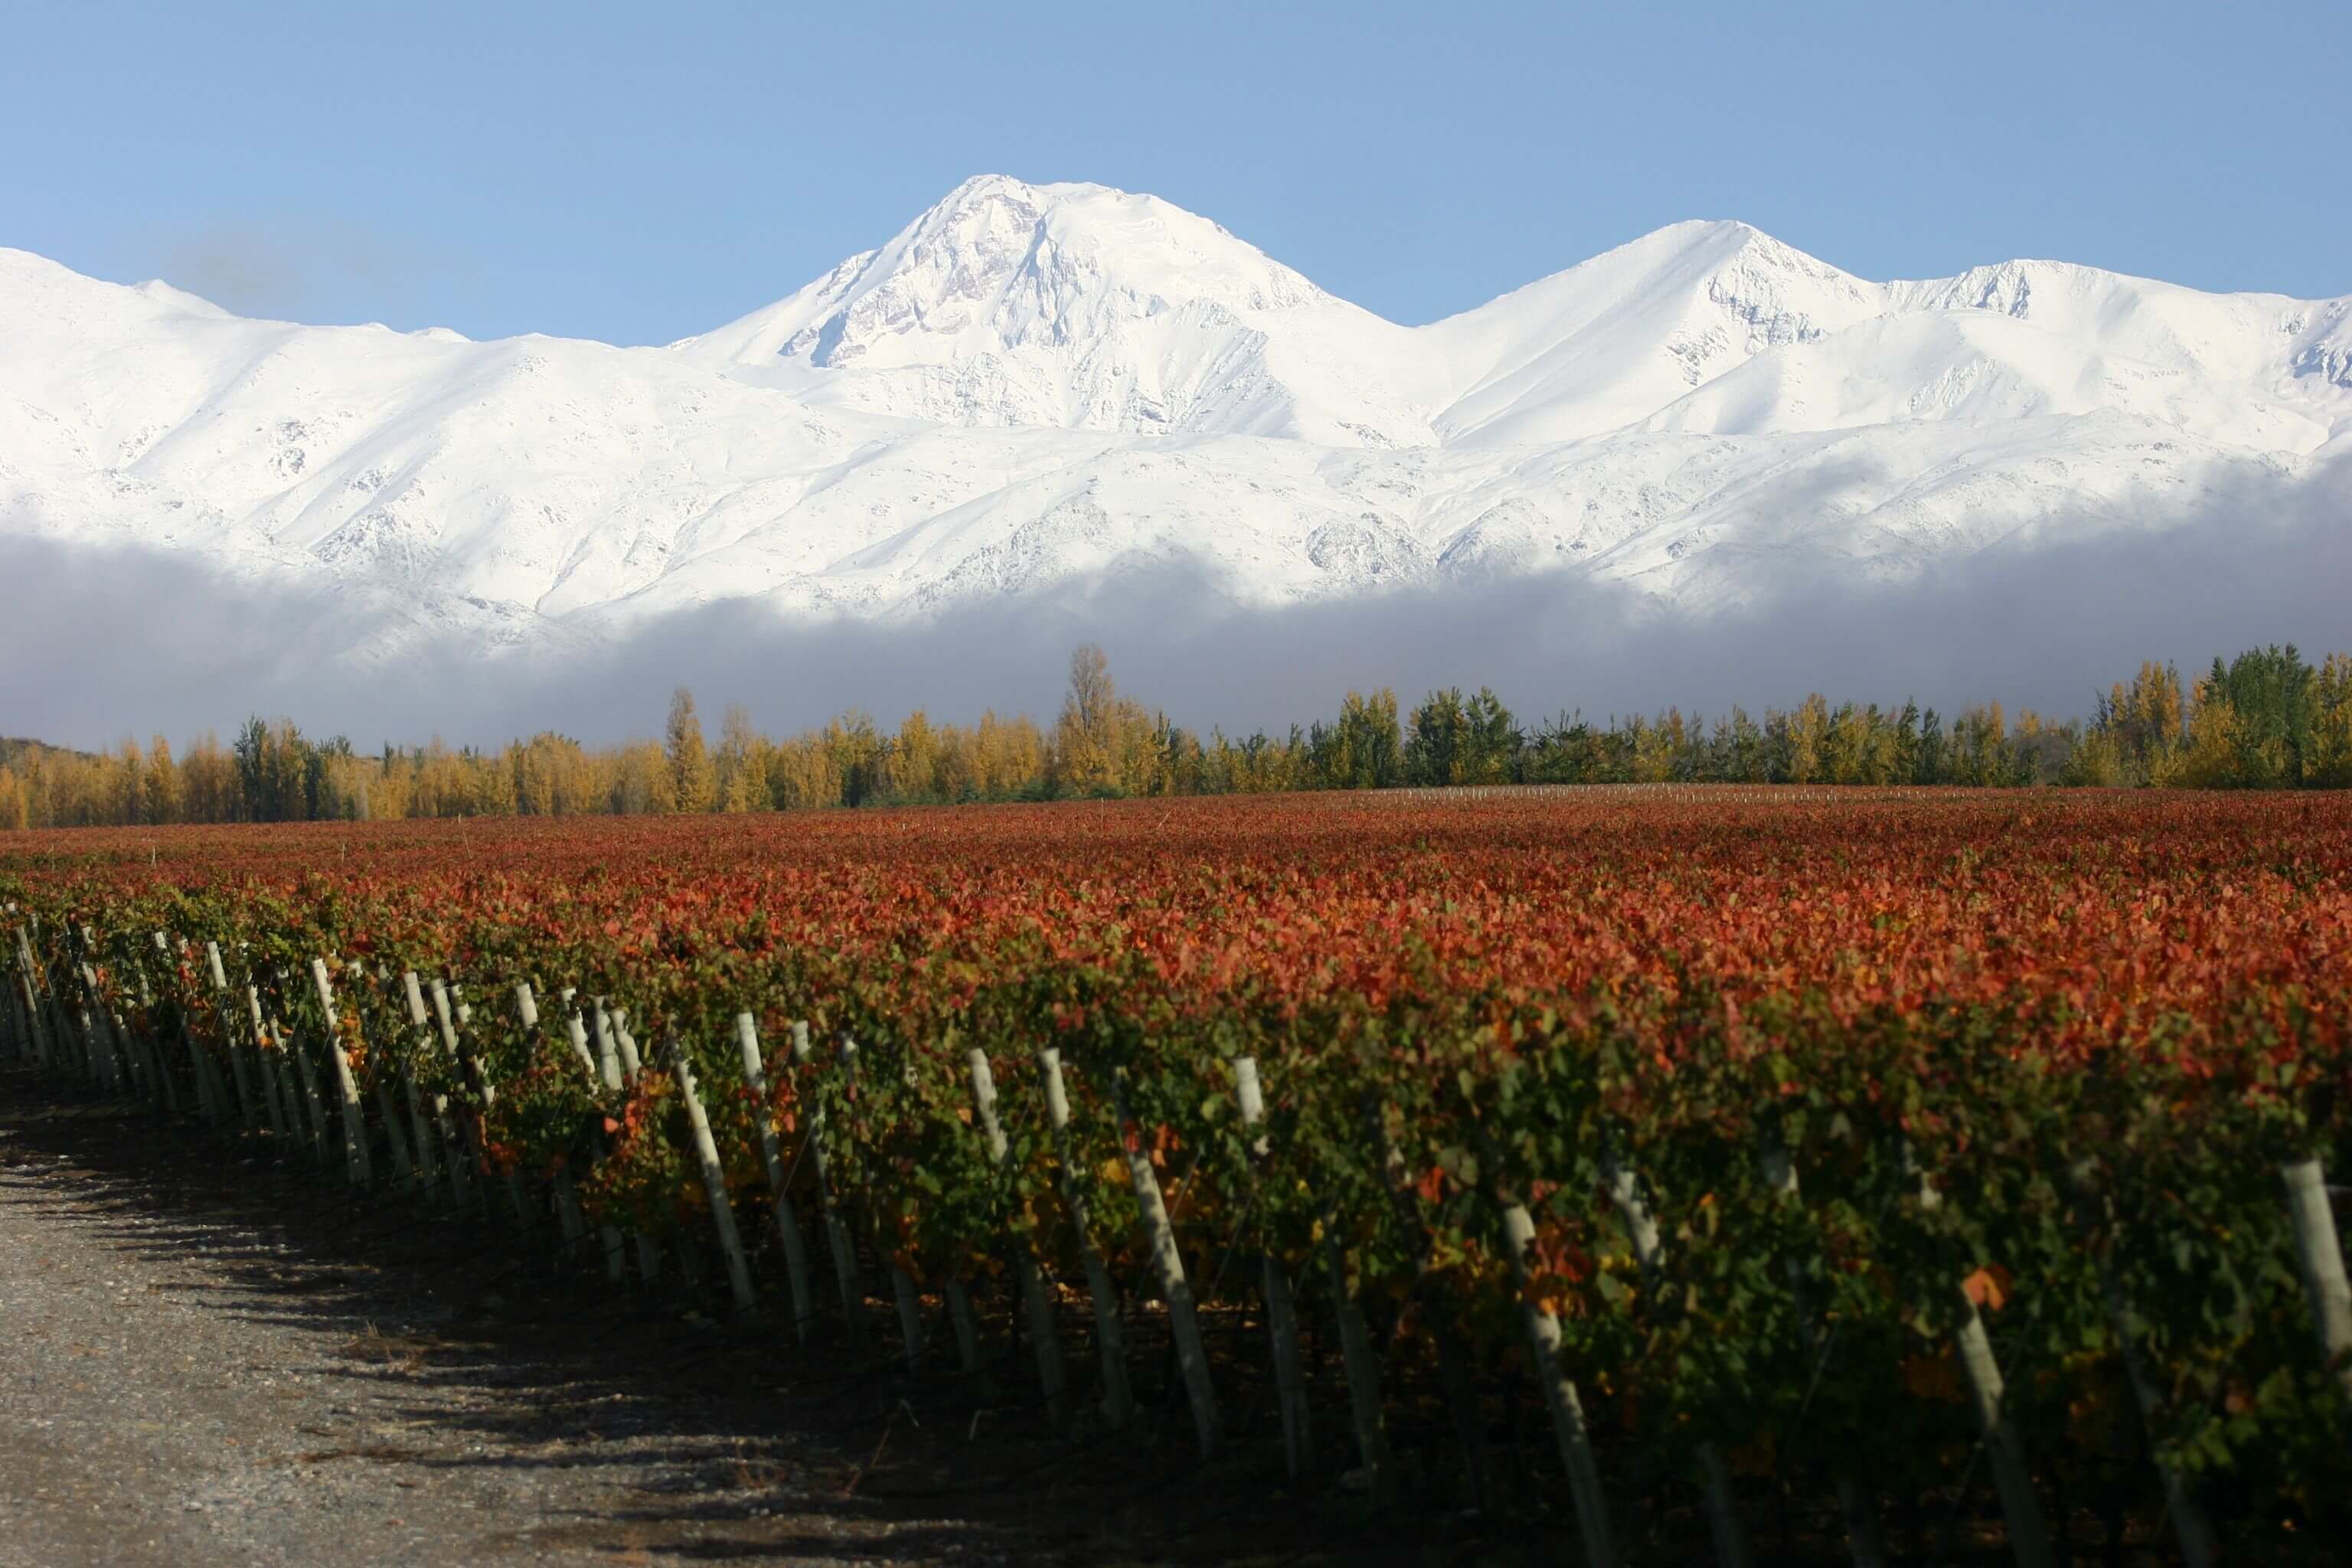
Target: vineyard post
[[1641, 1227], [714, 1177], [465, 1172], [121, 1048], [1281, 1311], [467, 1129], [228, 1034], [1168, 1270], [1110, 1337], [1560, 1392], [1865, 1538], [788, 1224], [631, 1062], [356, 1160], [2322, 1257], [624, 1046], [608, 1056], [836, 1234], [113, 1074], [577, 1029], [577, 1033], [633, 1065], [1360, 1363], [2029, 1540], [2094, 1212], [1053, 1372], [34, 1022], [616, 1267], [277, 1079], [441, 1134]]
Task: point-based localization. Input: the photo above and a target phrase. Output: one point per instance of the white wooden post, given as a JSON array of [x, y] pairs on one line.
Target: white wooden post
[[356, 1157], [1168, 1270], [276, 1081], [442, 1134], [29, 974], [714, 1177], [114, 1072], [1053, 1372], [608, 1055], [1361, 1366], [229, 1032], [631, 1063], [788, 1225], [1110, 1337], [617, 1268], [2321, 1256], [1281, 1312], [2029, 1540], [625, 1058], [577, 1032], [1559, 1394]]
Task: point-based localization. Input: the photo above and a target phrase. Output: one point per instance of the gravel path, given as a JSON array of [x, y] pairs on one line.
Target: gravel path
[[181, 1383]]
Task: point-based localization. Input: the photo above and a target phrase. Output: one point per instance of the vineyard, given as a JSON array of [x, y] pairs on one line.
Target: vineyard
[[1948, 1171]]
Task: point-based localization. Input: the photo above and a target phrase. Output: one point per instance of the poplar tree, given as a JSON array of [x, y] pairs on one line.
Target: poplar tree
[[693, 782]]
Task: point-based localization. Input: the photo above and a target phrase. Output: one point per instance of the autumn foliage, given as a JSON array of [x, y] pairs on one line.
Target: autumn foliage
[[2019, 1050]]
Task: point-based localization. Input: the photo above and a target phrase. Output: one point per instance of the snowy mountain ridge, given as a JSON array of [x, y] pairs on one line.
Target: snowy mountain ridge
[[1032, 385]]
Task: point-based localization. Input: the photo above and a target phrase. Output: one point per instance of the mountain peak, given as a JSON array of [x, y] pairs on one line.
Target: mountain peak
[[1075, 305]]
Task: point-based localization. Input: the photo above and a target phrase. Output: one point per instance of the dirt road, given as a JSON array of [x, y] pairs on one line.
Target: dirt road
[[186, 1380]]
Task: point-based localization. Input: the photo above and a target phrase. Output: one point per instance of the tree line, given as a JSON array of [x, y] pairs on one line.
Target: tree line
[[2267, 719]]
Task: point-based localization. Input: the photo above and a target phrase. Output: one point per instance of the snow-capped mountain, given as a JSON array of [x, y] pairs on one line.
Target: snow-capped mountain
[[1031, 385]]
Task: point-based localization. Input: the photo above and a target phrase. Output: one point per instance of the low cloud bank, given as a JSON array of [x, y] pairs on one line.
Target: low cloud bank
[[97, 645]]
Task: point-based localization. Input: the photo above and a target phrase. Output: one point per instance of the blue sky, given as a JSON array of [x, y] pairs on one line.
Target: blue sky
[[639, 173]]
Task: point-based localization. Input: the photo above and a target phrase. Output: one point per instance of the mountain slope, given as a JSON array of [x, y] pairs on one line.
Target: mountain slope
[[1031, 385]]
